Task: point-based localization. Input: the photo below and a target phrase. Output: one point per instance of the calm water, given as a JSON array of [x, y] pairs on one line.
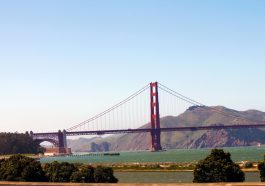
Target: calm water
[[181, 155]]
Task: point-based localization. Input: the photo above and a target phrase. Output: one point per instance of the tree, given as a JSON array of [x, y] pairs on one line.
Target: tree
[[218, 167], [84, 174], [21, 168], [104, 175], [59, 172], [261, 167], [14, 143], [68, 172]]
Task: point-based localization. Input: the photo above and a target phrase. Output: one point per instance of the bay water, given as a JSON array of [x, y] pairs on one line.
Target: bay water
[[238, 154]]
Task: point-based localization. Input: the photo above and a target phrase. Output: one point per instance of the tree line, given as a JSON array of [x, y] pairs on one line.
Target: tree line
[[17, 143], [22, 168], [216, 167]]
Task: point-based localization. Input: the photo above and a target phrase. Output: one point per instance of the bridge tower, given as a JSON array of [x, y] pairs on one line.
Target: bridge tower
[[62, 141], [155, 118]]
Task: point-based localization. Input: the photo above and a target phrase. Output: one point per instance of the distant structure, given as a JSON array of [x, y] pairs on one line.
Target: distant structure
[[57, 151], [58, 139]]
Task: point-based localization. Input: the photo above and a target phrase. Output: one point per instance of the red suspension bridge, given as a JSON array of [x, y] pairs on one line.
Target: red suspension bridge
[[145, 106]]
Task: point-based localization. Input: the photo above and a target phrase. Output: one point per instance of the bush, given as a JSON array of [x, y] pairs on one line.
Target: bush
[[21, 168], [68, 172], [248, 165], [218, 167], [59, 172], [261, 167], [84, 174], [104, 175]]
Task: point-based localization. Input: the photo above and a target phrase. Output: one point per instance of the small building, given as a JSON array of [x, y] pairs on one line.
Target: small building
[[55, 151]]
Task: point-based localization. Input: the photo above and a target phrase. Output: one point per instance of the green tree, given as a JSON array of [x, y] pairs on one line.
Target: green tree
[[21, 168], [104, 175], [68, 172], [16, 143], [218, 167], [84, 174], [261, 167], [59, 172]]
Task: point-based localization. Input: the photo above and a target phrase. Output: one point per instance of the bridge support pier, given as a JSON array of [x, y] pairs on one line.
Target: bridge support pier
[[58, 139], [62, 141], [155, 118]]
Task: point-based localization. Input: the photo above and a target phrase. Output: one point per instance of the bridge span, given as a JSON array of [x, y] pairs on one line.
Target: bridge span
[[59, 139]]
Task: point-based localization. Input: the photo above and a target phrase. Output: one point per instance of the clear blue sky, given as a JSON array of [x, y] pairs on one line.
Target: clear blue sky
[[63, 61]]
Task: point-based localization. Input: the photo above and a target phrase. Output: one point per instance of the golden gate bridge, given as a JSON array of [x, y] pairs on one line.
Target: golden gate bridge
[[124, 118]]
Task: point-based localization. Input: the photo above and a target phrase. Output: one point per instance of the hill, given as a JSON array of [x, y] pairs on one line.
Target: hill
[[194, 116]]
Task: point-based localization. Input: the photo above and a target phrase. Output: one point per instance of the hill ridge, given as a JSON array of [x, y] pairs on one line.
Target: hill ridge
[[193, 116]]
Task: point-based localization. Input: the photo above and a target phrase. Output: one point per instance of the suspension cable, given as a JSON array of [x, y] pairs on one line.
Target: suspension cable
[[181, 96], [110, 109], [203, 106]]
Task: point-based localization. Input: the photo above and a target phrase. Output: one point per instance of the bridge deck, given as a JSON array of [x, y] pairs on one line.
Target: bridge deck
[[140, 130]]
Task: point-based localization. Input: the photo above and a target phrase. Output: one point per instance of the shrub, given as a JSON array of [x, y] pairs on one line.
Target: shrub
[[84, 174], [218, 167], [21, 168], [248, 165], [261, 167], [59, 172], [68, 172], [104, 175]]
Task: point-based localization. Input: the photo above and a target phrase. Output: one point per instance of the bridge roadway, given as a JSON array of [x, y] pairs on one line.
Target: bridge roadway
[[140, 130]]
